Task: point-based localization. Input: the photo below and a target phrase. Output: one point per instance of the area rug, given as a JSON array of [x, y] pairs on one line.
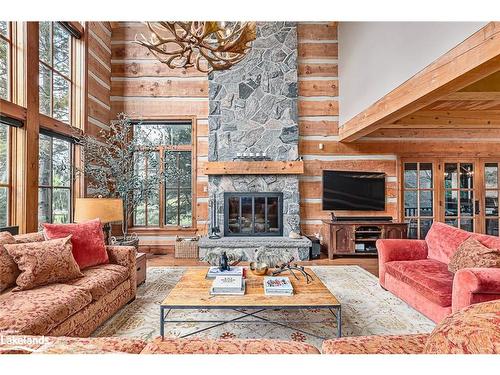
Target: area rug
[[367, 309]]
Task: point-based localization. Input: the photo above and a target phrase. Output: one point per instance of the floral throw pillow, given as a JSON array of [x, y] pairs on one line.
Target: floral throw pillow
[[43, 263], [472, 253], [8, 268]]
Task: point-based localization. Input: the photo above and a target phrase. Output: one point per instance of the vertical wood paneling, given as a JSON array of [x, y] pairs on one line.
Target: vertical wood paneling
[[318, 125], [144, 87], [98, 77]]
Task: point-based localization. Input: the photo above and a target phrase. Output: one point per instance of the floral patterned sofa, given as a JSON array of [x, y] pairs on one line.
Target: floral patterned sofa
[[75, 308], [109, 345], [473, 330]]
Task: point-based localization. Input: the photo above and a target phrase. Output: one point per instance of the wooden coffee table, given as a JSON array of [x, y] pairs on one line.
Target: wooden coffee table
[[192, 292]]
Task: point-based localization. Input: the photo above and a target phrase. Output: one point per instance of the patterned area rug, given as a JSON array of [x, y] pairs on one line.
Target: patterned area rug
[[366, 310]]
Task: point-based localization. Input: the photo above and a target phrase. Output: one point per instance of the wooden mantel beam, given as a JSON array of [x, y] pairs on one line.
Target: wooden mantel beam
[[473, 59], [253, 167]]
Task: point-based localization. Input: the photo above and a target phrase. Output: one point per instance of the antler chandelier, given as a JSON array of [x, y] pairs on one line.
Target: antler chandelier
[[187, 44]]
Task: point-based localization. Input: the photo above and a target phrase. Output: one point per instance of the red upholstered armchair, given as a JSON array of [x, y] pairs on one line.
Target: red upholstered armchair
[[417, 272]]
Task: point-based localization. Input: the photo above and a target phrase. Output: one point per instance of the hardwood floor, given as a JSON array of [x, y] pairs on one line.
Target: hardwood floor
[[368, 263]]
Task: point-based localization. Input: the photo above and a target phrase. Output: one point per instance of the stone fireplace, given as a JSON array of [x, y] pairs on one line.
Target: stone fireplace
[[253, 114]]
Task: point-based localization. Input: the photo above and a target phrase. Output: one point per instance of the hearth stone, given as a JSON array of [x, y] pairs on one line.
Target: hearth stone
[[299, 248]]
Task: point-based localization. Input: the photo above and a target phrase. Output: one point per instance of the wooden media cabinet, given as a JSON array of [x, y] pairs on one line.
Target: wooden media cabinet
[[358, 237]]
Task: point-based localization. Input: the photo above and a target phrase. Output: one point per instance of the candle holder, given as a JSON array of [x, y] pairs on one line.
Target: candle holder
[[257, 156]]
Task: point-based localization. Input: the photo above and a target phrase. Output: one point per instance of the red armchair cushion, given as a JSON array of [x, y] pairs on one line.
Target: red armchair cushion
[[89, 248], [429, 277], [443, 240]]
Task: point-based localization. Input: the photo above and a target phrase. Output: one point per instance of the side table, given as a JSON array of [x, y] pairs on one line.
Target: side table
[[140, 262]]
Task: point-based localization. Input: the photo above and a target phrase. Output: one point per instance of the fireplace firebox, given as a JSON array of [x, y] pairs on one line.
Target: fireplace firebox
[[253, 214]]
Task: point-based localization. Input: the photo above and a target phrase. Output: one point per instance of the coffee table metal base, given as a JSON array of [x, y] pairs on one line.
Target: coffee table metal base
[[166, 310]]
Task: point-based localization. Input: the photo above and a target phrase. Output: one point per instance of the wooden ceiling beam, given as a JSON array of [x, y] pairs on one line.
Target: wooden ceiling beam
[[485, 134], [448, 119], [473, 96], [475, 58]]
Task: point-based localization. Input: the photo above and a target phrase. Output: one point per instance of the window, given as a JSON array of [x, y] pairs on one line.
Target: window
[[55, 180], [4, 174], [172, 206], [491, 198], [5, 60], [418, 198], [55, 77], [461, 193], [459, 202]]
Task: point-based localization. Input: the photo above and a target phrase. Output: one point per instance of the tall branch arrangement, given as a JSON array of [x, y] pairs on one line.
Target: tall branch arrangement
[[188, 44], [109, 166]]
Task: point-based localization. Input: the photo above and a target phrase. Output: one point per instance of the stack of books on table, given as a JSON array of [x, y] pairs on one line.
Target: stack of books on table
[[277, 286], [228, 285], [213, 272]]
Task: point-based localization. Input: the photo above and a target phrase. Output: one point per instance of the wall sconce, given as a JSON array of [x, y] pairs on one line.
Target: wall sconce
[[321, 146]]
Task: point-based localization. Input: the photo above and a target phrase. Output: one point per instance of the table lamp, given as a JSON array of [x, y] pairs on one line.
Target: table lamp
[[108, 210]]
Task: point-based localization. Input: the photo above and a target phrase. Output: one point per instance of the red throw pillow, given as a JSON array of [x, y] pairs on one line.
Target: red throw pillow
[[89, 248]]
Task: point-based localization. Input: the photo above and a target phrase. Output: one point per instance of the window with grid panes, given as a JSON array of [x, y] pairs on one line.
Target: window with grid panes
[[172, 206], [55, 179], [55, 76]]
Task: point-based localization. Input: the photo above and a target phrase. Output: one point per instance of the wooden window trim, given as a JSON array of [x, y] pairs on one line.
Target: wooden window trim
[[194, 173], [12, 110]]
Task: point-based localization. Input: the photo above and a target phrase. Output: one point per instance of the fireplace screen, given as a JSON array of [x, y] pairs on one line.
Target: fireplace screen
[[253, 214]]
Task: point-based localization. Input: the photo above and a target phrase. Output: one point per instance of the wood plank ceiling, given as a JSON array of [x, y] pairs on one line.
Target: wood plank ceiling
[[445, 104], [471, 113]]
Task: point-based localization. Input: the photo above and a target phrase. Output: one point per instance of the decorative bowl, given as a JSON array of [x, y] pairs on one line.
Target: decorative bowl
[[259, 269]]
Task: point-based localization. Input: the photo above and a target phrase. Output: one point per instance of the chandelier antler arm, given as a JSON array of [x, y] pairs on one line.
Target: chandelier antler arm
[[220, 46], [198, 64], [161, 40], [215, 61]]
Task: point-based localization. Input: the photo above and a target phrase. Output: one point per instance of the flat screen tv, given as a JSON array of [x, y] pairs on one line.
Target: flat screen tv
[[353, 191]]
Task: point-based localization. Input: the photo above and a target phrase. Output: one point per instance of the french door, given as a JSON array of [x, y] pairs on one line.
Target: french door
[[419, 196], [460, 192], [491, 192]]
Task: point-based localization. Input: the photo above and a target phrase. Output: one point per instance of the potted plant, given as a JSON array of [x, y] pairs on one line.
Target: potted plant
[[110, 170]]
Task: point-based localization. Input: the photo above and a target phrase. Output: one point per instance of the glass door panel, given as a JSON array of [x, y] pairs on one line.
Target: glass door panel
[[246, 215], [460, 204], [491, 192], [418, 196]]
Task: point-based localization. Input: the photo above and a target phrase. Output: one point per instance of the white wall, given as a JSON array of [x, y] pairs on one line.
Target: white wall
[[376, 57]]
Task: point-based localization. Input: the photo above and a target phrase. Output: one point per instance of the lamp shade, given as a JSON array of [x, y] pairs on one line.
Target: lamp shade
[[108, 210]]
